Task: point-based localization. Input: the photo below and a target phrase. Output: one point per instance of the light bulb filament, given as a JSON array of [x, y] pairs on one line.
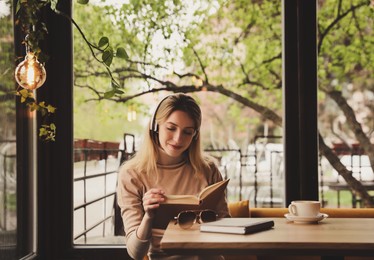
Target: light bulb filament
[[30, 79], [30, 73]]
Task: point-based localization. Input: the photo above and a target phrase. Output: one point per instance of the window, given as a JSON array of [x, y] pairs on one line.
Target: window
[[8, 167], [227, 55], [345, 66], [17, 168], [55, 161]]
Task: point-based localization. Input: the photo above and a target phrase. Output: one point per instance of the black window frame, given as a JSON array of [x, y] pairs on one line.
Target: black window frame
[[55, 159]]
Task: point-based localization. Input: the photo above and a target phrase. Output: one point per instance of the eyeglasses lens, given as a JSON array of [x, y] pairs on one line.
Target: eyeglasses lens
[[186, 219], [208, 216]]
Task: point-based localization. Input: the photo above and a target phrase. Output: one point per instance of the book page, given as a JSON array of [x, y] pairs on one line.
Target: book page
[[211, 190], [181, 199], [217, 187]]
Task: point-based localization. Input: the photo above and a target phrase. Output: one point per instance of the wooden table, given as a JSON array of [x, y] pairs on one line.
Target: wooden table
[[331, 237]]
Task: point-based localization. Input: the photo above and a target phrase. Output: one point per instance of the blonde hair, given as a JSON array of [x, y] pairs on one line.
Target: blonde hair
[[145, 160]]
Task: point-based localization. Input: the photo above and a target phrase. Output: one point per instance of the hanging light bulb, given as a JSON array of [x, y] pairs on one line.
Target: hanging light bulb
[[30, 73]]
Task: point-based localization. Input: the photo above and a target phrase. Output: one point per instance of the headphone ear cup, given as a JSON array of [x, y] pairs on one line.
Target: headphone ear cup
[[155, 134], [154, 126]]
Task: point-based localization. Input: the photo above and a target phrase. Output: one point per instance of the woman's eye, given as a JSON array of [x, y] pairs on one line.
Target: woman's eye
[[189, 132]]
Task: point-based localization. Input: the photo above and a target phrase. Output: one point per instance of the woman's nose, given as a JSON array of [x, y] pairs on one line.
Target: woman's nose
[[178, 136]]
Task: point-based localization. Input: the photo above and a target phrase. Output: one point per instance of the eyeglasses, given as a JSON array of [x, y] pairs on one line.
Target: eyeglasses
[[186, 219]]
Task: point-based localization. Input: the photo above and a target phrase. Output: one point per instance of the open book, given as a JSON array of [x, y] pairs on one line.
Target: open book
[[237, 225], [209, 191], [206, 199]]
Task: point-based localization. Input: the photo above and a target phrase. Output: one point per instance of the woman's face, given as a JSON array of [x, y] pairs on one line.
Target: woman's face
[[175, 136]]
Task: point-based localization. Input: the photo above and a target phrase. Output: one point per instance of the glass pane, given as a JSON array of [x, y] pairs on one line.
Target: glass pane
[[8, 171], [227, 55], [345, 73]]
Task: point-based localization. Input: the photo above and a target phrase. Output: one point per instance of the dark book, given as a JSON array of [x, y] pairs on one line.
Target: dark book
[[206, 199], [237, 225]]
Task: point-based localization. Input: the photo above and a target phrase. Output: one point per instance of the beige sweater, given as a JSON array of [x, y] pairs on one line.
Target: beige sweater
[[173, 179]]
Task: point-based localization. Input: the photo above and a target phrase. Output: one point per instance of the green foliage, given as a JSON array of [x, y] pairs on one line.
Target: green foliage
[[347, 50], [83, 2], [11, 199], [102, 120], [47, 131], [233, 44], [7, 104], [28, 17], [345, 62]]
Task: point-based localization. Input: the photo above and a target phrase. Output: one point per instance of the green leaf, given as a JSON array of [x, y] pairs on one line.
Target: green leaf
[[18, 6], [82, 2], [54, 4], [33, 106], [121, 53], [115, 84], [42, 131], [47, 132], [43, 112], [24, 93], [51, 109], [119, 91], [107, 57], [110, 93], [103, 41]]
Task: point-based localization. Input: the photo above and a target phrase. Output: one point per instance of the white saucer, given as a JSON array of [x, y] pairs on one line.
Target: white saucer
[[305, 220]]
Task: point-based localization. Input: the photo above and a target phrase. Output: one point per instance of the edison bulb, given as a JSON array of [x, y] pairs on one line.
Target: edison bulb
[[30, 73]]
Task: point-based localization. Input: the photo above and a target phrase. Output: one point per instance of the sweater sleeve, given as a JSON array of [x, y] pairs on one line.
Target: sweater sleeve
[[129, 194]]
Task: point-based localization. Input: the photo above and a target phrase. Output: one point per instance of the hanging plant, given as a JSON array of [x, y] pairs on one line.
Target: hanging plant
[[29, 73], [28, 18]]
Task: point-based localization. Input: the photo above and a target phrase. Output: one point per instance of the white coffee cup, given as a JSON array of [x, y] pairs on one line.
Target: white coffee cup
[[305, 208]]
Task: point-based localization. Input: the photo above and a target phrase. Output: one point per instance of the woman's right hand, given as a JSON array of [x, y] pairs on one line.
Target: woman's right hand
[[152, 200]]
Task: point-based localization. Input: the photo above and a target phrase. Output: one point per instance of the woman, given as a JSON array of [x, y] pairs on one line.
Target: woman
[[170, 161]]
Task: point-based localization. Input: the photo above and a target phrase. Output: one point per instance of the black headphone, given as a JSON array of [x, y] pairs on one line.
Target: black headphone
[[153, 127]]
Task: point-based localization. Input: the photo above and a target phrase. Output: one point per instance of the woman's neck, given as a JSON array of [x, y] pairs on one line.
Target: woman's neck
[[164, 159]]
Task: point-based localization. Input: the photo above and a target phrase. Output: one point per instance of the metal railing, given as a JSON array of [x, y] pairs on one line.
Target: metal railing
[[8, 184], [8, 210], [242, 169], [256, 175], [99, 161], [96, 163]]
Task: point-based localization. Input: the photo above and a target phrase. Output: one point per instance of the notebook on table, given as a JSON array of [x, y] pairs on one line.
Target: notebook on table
[[237, 225]]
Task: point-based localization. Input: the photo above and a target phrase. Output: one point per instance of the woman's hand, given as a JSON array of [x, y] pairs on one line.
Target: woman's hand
[[152, 200]]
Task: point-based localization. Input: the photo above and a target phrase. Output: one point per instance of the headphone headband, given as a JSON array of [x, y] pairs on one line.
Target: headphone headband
[[153, 127]]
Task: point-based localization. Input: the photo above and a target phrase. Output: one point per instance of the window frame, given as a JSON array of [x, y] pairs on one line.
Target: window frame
[[55, 159], [26, 167]]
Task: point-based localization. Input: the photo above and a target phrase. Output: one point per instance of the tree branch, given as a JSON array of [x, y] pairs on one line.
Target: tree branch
[[353, 124], [201, 65], [340, 16]]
